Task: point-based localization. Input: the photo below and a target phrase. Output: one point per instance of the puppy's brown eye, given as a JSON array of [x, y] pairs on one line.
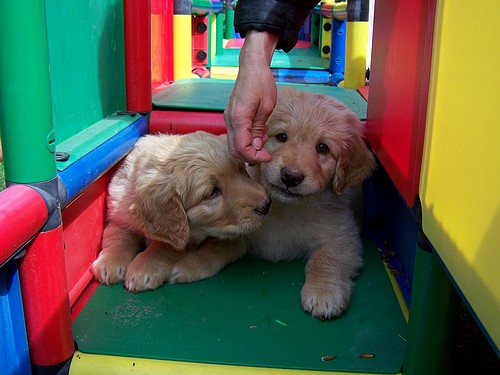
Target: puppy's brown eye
[[214, 193], [281, 137], [322, 149]]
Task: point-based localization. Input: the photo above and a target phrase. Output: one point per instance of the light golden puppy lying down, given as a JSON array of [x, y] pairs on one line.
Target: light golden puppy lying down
[[175, 193], [319, 159]]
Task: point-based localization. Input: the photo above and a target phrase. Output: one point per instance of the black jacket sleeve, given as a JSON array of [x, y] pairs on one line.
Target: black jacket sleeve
[[281, 17]]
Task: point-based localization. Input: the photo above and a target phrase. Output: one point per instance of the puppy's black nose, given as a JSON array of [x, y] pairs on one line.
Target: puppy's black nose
[[263, 207], [290, 177]]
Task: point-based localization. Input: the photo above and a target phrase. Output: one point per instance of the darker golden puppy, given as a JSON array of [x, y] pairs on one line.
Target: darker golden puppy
[[319, 161]]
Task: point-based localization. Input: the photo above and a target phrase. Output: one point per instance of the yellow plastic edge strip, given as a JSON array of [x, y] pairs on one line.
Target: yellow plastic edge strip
[[98, 364]]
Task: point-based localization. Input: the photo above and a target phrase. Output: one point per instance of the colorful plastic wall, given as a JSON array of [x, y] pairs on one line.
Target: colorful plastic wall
[[460, 181], [88, 78], [63, 84]]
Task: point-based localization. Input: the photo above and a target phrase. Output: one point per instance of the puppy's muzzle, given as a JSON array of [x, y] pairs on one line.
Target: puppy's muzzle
[[291, 177], [263, 207]]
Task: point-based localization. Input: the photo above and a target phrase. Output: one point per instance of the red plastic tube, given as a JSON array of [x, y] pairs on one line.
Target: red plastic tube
[[137, 20], [180, 122], [45, 299], [23, 213]]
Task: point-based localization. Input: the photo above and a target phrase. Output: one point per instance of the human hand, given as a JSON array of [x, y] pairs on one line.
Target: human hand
[[253, 99]]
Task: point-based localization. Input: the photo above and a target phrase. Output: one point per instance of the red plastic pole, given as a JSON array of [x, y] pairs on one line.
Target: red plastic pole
[[23, 213], [45, 301], [137, 20], [180, 122]]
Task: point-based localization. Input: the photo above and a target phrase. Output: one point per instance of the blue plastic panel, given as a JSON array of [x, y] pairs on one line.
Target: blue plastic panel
[[14, 355]]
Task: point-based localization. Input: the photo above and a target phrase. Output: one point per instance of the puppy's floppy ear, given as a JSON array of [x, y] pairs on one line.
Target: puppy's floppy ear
[[161, 216], [356, 162]]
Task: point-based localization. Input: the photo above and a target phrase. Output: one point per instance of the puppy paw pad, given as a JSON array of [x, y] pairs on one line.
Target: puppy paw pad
[[325, 300]]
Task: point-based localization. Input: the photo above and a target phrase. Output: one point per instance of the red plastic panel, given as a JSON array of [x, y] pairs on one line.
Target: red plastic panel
[[399, 83], [137, 20], [83, 222], [162, 42], [200, 41]]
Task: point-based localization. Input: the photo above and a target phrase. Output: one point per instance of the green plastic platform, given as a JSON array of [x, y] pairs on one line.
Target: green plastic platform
[[213, 95], [249, 315], [298, 58]]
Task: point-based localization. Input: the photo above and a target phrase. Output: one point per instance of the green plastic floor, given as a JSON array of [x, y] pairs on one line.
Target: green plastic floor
[[213, 95], [249, 315], [298, 58]]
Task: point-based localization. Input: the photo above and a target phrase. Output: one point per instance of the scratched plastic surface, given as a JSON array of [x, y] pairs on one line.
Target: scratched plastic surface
[[249, 315]]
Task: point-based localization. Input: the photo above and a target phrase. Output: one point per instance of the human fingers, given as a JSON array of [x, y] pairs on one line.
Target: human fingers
[[246, 131], [248, 147]]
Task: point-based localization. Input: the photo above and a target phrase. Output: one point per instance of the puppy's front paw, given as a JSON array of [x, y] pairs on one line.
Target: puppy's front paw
[[190, 269], [326, 300], [144, 273], [110, 267]]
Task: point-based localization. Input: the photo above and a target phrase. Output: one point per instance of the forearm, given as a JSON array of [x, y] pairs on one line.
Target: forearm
[[259, 46]]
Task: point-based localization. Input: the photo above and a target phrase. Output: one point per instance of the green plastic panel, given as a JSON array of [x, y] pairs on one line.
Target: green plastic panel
[[298, 58], [213, 95], [249, 315], [432, 320], [86, 57]]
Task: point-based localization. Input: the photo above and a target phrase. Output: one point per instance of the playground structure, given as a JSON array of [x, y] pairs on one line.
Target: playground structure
[[120, 70]]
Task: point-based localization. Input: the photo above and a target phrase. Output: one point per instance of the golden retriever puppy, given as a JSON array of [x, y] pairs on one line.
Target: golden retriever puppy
[[174, 193], [319, 160]]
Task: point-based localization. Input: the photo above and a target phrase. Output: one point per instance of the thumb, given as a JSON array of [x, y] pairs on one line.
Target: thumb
[[259, 134], [259, 140]]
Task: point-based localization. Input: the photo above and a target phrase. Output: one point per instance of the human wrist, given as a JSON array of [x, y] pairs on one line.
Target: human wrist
[[258, 45]]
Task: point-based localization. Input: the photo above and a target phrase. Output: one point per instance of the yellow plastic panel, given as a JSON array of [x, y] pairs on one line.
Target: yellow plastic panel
[[224, 72], [156, 71], [460, 183], [355, 54], [183, 64], [83, 364], [326, 36]]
